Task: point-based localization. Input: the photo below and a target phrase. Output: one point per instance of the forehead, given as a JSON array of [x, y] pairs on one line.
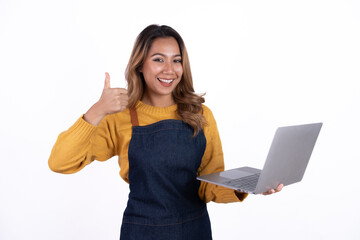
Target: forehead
[[166, 46]]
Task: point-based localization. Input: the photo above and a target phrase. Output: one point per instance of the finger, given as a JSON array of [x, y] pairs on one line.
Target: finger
[[107, 80], [120, 91], [279, 188], [124, 101], [271, 191], [123, 91]]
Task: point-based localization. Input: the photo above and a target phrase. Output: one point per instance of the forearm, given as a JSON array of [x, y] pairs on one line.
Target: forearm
[[72, 150]]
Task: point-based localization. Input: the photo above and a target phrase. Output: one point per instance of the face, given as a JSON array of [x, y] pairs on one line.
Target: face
[[162, 70]]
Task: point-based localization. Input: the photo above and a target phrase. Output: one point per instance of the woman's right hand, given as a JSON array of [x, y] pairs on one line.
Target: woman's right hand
[[112, 100]]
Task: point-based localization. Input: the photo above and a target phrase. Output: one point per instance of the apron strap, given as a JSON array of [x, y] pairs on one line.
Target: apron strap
[[134, 117]]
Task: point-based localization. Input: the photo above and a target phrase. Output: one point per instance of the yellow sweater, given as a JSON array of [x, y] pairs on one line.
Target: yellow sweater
[[83, 143]]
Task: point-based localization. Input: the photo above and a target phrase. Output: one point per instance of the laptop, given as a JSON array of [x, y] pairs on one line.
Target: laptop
[[286, 162]]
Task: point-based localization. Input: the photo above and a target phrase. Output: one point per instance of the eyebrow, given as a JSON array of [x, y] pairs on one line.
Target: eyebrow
[[161, 54]]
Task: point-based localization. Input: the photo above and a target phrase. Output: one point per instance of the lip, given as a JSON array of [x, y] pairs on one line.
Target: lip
[[166, 80]]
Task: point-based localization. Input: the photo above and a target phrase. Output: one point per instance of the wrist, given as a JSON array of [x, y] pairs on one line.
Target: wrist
[[94, 115], [240, 195]]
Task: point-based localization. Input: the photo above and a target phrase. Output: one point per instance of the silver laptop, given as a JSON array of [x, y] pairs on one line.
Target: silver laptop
[[286, 162]]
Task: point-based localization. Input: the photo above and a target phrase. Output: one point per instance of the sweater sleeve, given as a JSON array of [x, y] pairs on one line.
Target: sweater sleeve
[[81, 144], [213, 161]]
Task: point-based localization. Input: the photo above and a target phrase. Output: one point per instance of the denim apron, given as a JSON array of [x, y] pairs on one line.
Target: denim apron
[[163, 201]]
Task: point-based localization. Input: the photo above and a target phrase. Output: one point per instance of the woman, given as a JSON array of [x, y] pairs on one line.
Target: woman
[[164, 138]]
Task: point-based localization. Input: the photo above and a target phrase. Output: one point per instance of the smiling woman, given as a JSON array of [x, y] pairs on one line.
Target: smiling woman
[[164, 137], [162, 71]]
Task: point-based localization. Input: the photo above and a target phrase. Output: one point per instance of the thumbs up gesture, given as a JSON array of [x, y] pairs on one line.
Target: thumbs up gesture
[[112, 100]]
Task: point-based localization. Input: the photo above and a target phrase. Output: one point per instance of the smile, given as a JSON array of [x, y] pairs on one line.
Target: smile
[[166, 80]]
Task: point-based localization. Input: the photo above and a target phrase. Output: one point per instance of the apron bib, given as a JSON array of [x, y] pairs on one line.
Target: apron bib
[[163, 201]]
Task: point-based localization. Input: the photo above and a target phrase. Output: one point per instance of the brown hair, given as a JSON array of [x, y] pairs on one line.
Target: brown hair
[[189, 105]]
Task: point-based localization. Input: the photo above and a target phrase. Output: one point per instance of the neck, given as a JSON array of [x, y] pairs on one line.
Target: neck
[[158, 101]]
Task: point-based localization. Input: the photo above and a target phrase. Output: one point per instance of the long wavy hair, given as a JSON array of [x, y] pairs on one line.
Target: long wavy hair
[[189, 108]]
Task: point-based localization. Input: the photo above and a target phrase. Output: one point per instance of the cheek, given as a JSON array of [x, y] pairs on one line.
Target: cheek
[[149, 72], [179, 71]]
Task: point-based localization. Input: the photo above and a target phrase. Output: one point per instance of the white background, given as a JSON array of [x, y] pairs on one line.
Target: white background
[[262, 64]]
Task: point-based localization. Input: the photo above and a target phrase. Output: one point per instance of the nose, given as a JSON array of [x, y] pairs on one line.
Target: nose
[[168, 67]]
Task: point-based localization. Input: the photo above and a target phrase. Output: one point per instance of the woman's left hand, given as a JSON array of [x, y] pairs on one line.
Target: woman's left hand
[[240, 195], [271, 191]]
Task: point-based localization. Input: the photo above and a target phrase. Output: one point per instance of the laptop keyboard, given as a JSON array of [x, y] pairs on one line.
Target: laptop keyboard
[[246, 183]]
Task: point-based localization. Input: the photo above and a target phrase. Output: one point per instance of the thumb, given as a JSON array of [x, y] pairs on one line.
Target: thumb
[[107, 80]]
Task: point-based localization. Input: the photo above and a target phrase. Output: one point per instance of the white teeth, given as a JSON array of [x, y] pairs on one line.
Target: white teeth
[[165, 80]]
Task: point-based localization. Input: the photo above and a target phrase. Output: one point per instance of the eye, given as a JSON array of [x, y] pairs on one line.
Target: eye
[[158, 60], [177, 60]]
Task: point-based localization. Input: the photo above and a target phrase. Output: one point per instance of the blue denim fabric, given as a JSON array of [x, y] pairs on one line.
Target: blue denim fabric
[[163, 201]]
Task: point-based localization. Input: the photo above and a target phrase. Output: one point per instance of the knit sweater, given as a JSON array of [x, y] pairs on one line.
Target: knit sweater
[[83, 143]]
